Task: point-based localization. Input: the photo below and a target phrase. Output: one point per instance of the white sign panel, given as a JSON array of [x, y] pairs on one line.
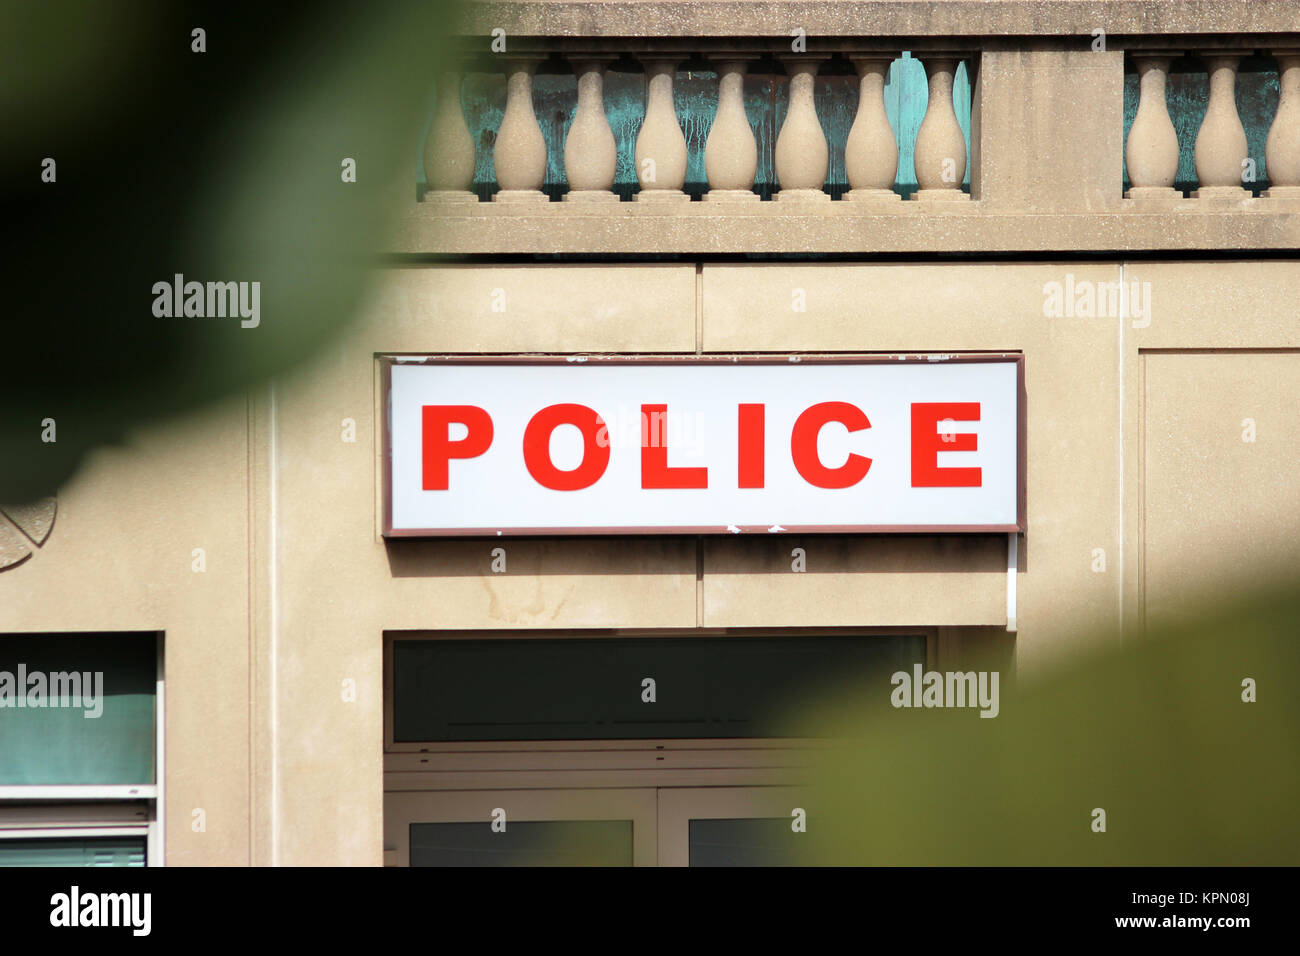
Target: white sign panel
[[712, 445]]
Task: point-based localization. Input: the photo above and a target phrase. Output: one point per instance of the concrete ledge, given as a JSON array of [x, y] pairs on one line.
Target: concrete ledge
[[873, 18], [840, 227]]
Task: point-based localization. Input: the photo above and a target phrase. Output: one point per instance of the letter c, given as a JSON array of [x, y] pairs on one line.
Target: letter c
[[803, 445]]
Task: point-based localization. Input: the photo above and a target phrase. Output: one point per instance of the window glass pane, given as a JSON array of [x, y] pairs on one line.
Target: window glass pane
[[591, 688], [523, 843], [744, 842], [87, 708], [73, 851]]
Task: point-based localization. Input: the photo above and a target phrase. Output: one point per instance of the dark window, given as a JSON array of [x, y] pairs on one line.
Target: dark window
[[745, 842], [100, 733], [523, 843], [73, 851], [591, 688]]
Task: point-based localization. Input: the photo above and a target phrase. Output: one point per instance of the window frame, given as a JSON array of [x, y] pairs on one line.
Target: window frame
[[653, 761], [88, 803]]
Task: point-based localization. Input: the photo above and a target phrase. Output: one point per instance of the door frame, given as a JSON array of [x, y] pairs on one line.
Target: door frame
[[642, 780]]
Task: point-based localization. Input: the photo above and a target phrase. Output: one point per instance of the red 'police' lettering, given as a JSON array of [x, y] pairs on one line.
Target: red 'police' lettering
[[927, 443], [595, 448], [439, 449], [655, 470], [750, 447], [803, 445]]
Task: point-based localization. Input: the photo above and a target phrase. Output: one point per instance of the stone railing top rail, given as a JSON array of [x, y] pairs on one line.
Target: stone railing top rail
[[873, 18]]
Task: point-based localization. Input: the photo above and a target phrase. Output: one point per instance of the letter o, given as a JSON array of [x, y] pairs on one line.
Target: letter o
[[537, 447]]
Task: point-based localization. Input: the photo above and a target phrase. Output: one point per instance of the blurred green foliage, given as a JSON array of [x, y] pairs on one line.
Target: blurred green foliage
[[223, 165], [1154, 732]]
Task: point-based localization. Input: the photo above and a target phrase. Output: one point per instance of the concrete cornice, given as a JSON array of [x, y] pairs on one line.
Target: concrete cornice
[[769, 228], [873, 18]]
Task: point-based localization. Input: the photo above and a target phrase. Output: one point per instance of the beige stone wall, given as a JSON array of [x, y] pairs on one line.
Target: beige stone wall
[[1221, 447], [1134, 448], [120, 557]]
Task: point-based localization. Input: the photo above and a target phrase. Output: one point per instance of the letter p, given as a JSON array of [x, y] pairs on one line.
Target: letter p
[[439, 448]]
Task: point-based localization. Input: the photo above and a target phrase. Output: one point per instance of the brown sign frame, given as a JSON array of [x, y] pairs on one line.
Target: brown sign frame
[[388, 360]]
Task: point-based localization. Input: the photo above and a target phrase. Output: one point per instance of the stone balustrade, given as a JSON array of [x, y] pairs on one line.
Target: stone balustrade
[[871, 150], [731, 160], [620, 145], [1224, 168]]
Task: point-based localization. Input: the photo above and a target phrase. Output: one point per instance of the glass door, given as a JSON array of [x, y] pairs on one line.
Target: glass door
[[597, 827], [733, 826]]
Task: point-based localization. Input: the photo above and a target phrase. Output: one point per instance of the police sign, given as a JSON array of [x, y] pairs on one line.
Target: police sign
[[703, 444]]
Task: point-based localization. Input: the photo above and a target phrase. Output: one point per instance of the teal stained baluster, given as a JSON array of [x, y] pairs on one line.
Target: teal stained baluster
[[907, 93], [1188, 97]]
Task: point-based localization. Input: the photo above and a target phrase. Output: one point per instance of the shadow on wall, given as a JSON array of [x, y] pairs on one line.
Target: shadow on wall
[[744, 554]]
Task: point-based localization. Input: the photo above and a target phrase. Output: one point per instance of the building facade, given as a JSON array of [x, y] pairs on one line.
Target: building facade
[[1114, 206]]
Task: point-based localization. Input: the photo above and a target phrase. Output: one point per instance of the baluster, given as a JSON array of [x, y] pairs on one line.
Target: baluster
[[1282, 149], [871, 151], [449, 148], [1221, 150], [660, 145], [731, 152], [519, 156], [940, 152], [802, 157], [1152, 148], [590, 154]]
